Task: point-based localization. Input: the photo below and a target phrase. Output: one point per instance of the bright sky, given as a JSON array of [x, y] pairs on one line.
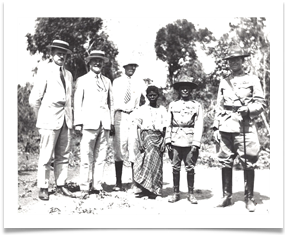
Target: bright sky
[[135, 36]]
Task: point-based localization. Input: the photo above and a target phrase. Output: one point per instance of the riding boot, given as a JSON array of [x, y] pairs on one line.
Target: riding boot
[[175, 197], [226, 187], [119, 170], [190, 183], [249, 188]]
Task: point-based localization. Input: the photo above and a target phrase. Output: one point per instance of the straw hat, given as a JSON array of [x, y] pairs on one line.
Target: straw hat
[[60, 44], [97, 54]]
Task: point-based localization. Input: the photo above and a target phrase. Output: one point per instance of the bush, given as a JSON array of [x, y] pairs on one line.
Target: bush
[[28, 135]]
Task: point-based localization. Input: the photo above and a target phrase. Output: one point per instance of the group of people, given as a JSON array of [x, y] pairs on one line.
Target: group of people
[[141, 134]]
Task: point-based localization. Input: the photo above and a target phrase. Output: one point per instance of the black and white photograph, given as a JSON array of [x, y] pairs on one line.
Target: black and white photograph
[[132, 114]]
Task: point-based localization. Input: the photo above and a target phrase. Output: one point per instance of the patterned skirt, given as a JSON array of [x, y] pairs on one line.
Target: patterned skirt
[[148, 165]]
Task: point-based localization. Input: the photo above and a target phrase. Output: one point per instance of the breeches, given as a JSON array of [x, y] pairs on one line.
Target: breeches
[[54, 143], [125, 137], [179, 154], [94, 146], [232, 145]]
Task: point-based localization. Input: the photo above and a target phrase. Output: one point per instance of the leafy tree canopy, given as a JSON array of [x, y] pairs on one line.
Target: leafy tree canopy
[[83, 35]]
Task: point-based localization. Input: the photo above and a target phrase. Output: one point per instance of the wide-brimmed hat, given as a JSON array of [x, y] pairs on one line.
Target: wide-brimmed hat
[[184, 81], [60, 44], [235, 51], [97, 54]]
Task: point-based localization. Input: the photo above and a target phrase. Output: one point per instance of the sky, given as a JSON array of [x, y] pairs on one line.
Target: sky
[[19, 20]]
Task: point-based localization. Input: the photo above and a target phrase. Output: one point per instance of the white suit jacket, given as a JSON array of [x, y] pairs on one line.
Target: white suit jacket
[[51, 102], [93, 105]]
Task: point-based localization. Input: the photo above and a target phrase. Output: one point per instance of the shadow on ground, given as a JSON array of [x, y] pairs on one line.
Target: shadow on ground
[[200, 194], [239, 196]]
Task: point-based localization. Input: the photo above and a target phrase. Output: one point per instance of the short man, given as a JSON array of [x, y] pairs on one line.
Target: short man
[[183, 135], [240, 100], [51, 99], [127, 94], [93, 110]]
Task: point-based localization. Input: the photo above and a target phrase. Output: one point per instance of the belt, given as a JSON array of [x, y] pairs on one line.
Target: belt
[[127, 112], [176, 125], [231, 108]]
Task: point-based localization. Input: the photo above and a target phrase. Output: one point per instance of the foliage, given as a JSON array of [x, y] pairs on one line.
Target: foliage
[[83, 35], [28, 136], [176, 42]]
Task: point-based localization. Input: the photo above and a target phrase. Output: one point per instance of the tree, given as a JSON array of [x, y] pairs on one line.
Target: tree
[[83, 35], [175, 44]]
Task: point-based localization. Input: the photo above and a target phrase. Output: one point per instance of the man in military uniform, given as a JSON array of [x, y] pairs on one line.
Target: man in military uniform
[[183, 135], [240, 99]]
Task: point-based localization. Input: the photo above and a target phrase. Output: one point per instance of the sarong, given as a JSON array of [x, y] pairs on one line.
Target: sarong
[[148, 165]]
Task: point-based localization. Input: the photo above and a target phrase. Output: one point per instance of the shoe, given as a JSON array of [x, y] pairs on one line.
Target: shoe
[[66, 192], [118, 187], [43, 194], [174, 198], [84, 194], [191, 198], [250, 204], [225, 201], [95, 191]]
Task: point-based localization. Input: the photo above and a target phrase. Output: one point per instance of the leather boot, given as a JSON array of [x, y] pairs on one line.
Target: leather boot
[[190, 183], [226, 187], [175, 196], [43, 194], [249, 188], [119, 170]]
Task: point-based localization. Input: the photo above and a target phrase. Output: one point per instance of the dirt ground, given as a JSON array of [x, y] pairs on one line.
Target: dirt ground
[[207, 191]]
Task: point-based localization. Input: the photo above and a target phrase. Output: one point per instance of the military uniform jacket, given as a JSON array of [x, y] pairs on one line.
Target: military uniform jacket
[[52, 104], [185, 123], [233, 93], [93, 102]]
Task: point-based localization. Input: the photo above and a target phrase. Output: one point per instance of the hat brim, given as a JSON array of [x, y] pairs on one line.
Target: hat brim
[[179, 84], [235, 56], [131, 64], [52, 46], [94, 57]]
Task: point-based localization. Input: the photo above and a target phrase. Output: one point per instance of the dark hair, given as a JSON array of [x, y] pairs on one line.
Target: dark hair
[[152, 88]]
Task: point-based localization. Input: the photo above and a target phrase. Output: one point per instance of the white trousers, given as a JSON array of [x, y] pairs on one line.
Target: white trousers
[[94, 146], [125, 137], [57, 143]]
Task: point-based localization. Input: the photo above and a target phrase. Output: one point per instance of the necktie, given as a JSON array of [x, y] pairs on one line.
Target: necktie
[[128, 92], [100, 88], [62, 78]]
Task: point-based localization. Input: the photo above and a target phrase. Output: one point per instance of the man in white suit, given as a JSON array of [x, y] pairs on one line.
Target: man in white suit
[[93, 110], [51, 101], [127, 94]]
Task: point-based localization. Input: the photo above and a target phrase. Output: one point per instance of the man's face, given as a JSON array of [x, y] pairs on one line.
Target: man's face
[[130, 69], [185, 91], [152, 96], [96, 65], [59, 56], [235, 64]]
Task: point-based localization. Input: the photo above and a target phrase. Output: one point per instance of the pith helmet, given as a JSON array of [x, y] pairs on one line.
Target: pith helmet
[[235, 51], [60, 44], [184, 81]]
